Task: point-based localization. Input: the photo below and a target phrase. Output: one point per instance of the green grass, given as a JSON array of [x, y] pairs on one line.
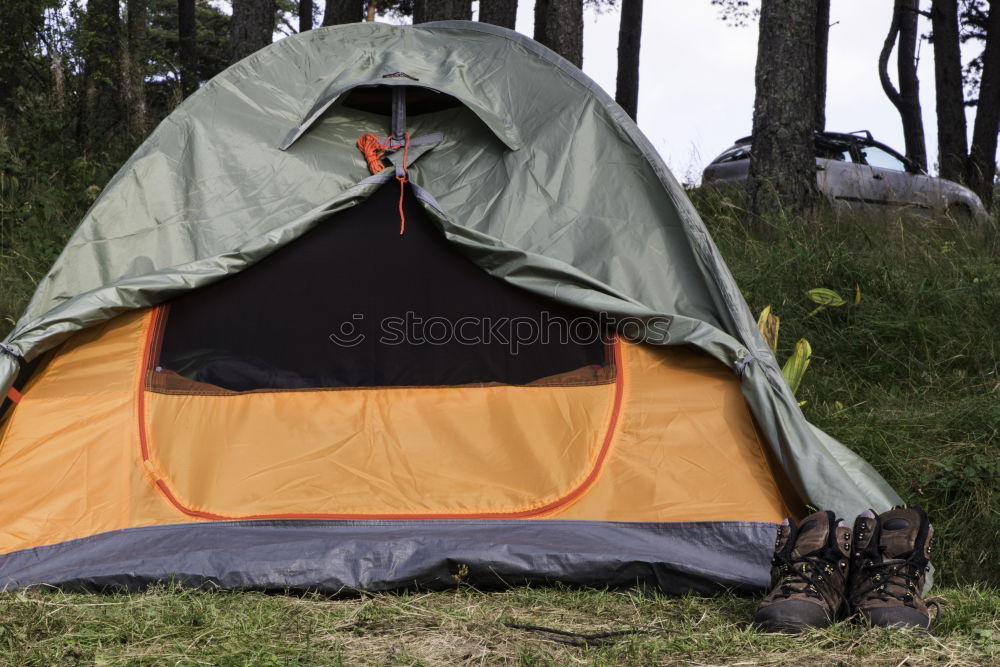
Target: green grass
[[176, 626], [909, 377]]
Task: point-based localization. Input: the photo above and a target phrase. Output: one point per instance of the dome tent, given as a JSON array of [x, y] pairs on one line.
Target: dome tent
[[188, 401]]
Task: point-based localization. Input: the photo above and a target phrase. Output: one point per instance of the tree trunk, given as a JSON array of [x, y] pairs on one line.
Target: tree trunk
[[133, 66], [305, 15], [58, 81], [907, 98], [251, 28], [498, 12], [20, 23], [425, 11], [629, 39], [101, 46], [338, 12], [371, 11], [950, 102], [822, 49], [782, 178], [559, 26], [186, 31], [541, 17], [982, 165]]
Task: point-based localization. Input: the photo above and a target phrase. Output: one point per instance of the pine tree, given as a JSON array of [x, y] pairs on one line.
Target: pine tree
[[498, 12], [251, 27], [782, 179], [629, 40]]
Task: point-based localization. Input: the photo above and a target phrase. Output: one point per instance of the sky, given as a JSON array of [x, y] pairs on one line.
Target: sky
[[696, 76]]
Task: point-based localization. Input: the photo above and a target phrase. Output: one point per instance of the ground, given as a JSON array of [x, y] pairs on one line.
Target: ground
[[175, 626]]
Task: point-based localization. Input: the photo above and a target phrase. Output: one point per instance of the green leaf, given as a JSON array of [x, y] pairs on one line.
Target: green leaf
[[796, 365], [825, 297], [768, 323]]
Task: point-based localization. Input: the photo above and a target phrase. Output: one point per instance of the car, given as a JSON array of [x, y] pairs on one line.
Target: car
[[857, 173]]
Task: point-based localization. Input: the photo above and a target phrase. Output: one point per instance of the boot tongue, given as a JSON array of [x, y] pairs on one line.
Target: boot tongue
[[814, 533], [898, 532]]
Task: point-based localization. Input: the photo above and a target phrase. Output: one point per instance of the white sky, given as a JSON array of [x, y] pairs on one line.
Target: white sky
[[696, 79]]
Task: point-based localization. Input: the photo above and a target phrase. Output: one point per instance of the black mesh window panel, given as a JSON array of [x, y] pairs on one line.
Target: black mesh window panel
[[355, 304]]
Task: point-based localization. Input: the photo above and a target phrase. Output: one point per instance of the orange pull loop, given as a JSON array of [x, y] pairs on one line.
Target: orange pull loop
[[373, 150]]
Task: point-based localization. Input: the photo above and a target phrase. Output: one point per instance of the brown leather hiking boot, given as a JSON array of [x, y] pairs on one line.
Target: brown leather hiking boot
[[808, 575], [888, 567]]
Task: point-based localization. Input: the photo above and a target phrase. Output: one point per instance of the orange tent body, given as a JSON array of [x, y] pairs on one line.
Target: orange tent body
[[667, 439]]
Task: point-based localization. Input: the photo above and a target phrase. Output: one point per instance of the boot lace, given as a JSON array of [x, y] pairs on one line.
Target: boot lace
[[807, 576], [891, 579]]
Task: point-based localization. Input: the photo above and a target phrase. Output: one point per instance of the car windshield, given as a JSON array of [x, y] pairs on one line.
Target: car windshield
[[877, 157], [834, 153], [738, 152], [829, 149]]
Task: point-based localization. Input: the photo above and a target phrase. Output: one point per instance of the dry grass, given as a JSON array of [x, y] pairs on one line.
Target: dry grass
[[463, 627]]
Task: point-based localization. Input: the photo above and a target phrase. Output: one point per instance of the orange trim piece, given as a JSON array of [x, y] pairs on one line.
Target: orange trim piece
[[14, 395], [153, 340]]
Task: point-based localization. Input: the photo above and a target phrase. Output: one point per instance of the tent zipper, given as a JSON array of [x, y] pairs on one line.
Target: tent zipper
[[151, 353]]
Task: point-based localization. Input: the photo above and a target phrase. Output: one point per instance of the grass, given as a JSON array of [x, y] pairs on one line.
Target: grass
[[909, 377], [178, 626]]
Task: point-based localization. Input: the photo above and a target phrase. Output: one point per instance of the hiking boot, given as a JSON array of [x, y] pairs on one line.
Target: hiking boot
[[888, 567], [808, 575]]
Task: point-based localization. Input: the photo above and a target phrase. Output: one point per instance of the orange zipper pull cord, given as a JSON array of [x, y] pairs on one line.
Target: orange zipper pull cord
[[402, 184], [374, 149]]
